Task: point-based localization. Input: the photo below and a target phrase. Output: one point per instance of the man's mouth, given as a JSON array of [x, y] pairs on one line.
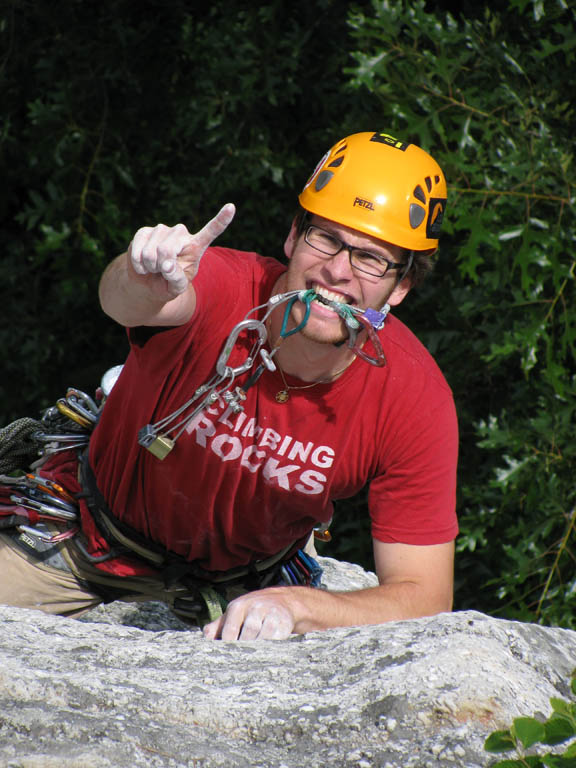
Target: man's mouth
[[329, 298]]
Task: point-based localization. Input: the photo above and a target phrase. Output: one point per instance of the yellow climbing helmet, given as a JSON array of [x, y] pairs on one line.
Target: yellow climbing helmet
[[382, 186]]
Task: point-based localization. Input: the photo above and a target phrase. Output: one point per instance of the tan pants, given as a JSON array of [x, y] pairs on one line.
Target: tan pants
[[27, 583]]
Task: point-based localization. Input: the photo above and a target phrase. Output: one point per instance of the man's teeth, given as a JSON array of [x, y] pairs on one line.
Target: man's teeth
[[329, 296]]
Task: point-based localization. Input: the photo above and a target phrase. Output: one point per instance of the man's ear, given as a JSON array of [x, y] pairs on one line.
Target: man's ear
[[291, 240], [400, 292]]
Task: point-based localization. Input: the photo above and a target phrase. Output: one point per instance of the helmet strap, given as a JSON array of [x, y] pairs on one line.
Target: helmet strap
[[408, 267]]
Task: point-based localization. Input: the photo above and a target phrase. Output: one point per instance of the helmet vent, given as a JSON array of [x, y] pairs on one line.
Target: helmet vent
[[323, 179], [437, 179], [417, 214], [428, 181], [419, 194], [336, 163]]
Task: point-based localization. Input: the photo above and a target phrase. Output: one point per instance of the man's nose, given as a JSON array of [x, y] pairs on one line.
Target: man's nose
[[339, 265]]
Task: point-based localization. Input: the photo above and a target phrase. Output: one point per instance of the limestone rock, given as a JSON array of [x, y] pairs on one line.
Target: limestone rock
[[98, 693]]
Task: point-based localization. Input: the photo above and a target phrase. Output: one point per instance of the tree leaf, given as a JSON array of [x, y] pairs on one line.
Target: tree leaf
[[499, 741], [560, 706], [559, 761], [570, 751], [528, 730], [558, 730]]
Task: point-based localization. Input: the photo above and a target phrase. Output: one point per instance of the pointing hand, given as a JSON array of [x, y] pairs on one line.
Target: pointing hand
[[170, 256]]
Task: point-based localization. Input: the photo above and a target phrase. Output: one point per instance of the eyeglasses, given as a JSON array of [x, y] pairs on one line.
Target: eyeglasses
[[363, 261]]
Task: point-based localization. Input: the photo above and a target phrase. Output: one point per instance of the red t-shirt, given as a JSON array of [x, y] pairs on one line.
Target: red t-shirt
[[242, 487]]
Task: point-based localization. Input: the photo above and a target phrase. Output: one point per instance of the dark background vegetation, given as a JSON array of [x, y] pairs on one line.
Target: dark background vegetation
[[119, 114]]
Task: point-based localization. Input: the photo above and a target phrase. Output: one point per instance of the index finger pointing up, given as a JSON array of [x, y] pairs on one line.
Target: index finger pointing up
[[215, 226]]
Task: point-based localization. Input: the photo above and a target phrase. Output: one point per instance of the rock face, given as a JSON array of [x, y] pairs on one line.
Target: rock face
[[99, 693]]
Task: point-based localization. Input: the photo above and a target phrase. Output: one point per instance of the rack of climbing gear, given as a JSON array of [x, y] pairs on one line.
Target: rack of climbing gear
[[33, 504], [301, 570], [160, 438]]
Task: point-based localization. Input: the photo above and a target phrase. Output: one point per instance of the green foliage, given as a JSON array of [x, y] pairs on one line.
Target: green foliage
[[486, 94], [120, 115], [526, 732]]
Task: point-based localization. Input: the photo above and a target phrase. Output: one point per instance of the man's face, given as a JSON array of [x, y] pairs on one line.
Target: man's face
[[334, 278]]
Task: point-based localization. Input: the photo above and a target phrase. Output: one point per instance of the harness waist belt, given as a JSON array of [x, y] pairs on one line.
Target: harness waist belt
[[173, 565]]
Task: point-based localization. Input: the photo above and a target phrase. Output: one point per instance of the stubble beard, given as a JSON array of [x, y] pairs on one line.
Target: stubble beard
[[321, 332], [324, 335]]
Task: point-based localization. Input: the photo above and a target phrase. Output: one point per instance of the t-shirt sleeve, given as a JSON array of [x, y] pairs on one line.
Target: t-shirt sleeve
[[223, 277], [216, 282], [413, 500]]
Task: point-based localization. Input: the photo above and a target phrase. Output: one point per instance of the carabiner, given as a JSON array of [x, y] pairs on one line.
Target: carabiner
[[222, 369], [43, 509], [79, 408], [76, 396], [380, 360], [65, 437], [45, 536], [305, 297], [51, 448], [54, 489], [67, 410]]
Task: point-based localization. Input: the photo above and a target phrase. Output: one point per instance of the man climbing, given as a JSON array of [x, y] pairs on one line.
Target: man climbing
[[254, 396]]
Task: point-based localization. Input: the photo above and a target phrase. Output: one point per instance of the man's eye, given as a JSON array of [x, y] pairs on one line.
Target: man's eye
[[366, 257], [327, 240]]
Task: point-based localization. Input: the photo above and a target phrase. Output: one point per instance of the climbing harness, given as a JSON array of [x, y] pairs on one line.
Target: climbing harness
[[160, 438]]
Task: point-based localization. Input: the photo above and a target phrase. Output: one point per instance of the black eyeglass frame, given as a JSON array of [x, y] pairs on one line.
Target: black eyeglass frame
[[390, 265]]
